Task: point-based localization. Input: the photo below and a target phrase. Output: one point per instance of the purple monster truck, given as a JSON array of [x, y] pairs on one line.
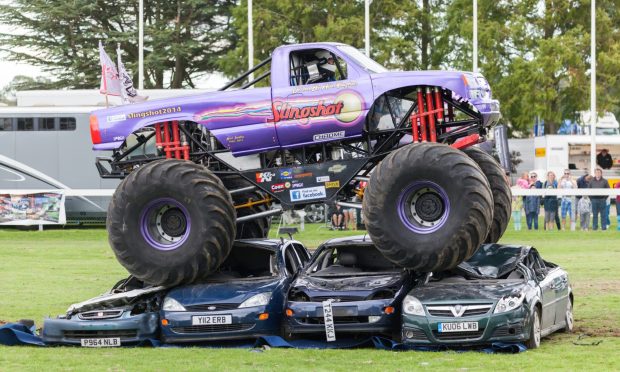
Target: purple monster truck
[[333, 125]]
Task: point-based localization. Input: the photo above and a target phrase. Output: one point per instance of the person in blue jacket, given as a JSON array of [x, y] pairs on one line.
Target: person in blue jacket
[[550, 202], [532, 208]]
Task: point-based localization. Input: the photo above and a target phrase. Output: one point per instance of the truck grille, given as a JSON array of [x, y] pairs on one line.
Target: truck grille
[[100, 314], [457, 310], [212, 328], [122, 333], [458, 335], [211, 307]]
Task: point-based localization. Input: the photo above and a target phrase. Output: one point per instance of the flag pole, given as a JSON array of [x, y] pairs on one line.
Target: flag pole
[[141, 46], [593, 111], [250, 41]]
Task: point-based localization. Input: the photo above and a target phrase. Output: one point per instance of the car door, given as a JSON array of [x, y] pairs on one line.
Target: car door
[[560, 287], [548, 296], [308, 110]]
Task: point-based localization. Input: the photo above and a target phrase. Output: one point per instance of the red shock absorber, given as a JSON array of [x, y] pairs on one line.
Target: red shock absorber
[[185, 146], [431, 116], [158, 138], [421, 115], [175, 137], [167, 141], [440, 107]]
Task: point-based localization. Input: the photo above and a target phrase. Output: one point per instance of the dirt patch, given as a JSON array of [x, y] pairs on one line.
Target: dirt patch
[[598, 287], [597, 331], [2, 322]]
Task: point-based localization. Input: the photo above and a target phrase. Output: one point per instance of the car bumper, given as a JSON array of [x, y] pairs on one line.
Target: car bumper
[[245, 325], [349, 317], [131, 329], [512, 326]]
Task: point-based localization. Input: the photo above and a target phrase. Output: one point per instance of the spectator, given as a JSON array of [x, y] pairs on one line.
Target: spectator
[[584, 181], [532, 208], [585, 208], [598, 202], [604, 160], [567, 183], [350, 219], [523, 182], [550, 202], [517, 206], [337, 217], [534, 180]]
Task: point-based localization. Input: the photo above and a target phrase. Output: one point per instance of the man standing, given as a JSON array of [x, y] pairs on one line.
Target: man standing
[[598, 201], [604, 160]]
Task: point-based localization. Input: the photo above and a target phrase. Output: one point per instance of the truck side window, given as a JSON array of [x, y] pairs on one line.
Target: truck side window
[[313, 66]]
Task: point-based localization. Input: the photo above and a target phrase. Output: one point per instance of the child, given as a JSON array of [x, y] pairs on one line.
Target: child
[[585, 208], [532, 208], [517, 205]]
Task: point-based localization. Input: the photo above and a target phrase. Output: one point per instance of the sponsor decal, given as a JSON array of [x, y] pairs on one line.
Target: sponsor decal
[[297, 185], [115, 118], [118, 138], [285, 111], [336, 168], [325, 86], [322, 179], [277, 187], [328, 136], [235, 139], [287, 185], [332, 185], [264, 177], [303, 175], [308, 193], [162, 111], [286, 174]]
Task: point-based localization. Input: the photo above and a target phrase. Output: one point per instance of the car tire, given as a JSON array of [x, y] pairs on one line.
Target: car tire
[[427, 207], [535, 330], [569, 317], [502, 195], [253, 229], [171, 222]]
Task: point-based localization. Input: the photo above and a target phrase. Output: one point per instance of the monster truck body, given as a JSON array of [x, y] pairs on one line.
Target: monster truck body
[[320, 129]]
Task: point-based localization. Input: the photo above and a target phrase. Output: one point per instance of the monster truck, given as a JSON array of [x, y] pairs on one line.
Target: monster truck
[[321, 121]]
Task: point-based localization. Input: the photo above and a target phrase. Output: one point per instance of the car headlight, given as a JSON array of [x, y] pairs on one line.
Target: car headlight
[[260, 299], [412, 306], [509, 302], [171, 304]]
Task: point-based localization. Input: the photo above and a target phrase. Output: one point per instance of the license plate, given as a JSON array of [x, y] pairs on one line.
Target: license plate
[[457, 327], [328, 314], [211, 319], [101, 342]]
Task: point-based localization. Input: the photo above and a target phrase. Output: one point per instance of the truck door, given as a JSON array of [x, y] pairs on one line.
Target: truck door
[[324, 96]]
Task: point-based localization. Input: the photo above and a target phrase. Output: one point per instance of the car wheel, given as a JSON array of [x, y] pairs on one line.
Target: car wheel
[[568, 317], [315, 213], [535, 331]]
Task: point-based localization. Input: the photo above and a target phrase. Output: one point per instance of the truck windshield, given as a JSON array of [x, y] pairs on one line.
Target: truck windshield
[[362, 60]]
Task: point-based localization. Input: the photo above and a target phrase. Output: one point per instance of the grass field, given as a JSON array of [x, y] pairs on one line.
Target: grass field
[[41, 273]]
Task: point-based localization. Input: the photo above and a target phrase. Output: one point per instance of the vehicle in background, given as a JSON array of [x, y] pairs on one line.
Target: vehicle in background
[[606, 125], [244, 299], [504, 293], [128, 314], [365, 289]]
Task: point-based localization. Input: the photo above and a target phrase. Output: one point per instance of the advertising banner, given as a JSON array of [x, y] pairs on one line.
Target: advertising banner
[[44, 208]]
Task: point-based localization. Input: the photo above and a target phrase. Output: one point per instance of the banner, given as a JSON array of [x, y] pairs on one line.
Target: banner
[[110, 83], [45, 208], [128, 92]]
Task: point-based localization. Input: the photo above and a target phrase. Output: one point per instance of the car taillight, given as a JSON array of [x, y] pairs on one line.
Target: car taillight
[[95, 135]]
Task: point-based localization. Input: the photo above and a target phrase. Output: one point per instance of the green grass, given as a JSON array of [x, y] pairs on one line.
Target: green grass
[[41, 273]]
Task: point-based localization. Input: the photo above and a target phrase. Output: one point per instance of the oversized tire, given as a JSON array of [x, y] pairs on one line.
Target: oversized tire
[[502, 195], [253, 229], [171, 222], [427, 207]]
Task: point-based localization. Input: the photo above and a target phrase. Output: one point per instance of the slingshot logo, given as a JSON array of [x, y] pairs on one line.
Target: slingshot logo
[[308, 193]]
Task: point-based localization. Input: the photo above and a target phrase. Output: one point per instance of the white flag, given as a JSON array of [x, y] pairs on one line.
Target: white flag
[[110, 83], [128, 92]]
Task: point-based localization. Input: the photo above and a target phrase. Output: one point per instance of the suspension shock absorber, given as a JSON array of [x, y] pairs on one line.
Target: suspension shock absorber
[[158, 138], [185, 146], [176, 139], [421, 115], [440, 109], [431, 116], [167, 141]]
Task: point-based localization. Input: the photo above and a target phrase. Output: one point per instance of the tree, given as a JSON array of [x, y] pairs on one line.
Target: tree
[[183, 39]]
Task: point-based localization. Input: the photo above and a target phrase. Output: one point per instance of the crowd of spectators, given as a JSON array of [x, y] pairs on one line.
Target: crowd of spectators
[[563, 212]]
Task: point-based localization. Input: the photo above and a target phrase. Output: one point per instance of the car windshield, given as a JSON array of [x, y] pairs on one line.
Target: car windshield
[[247, 261], [351, 260], [362, 60]]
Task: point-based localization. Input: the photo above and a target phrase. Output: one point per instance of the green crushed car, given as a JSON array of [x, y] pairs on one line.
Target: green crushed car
[[503, 293]]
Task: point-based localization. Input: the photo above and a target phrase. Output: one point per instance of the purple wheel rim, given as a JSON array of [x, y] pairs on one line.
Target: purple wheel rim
[[405, 207], [150, 224]]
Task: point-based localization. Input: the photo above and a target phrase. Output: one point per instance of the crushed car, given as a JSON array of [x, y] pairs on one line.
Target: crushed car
[[244, 299], [364, 289], [504, 293], [128, 314]]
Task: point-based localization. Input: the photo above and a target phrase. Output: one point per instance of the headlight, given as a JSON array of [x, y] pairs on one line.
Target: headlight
[[412, 306], [260, 299], [171, 304], [508, 303]]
